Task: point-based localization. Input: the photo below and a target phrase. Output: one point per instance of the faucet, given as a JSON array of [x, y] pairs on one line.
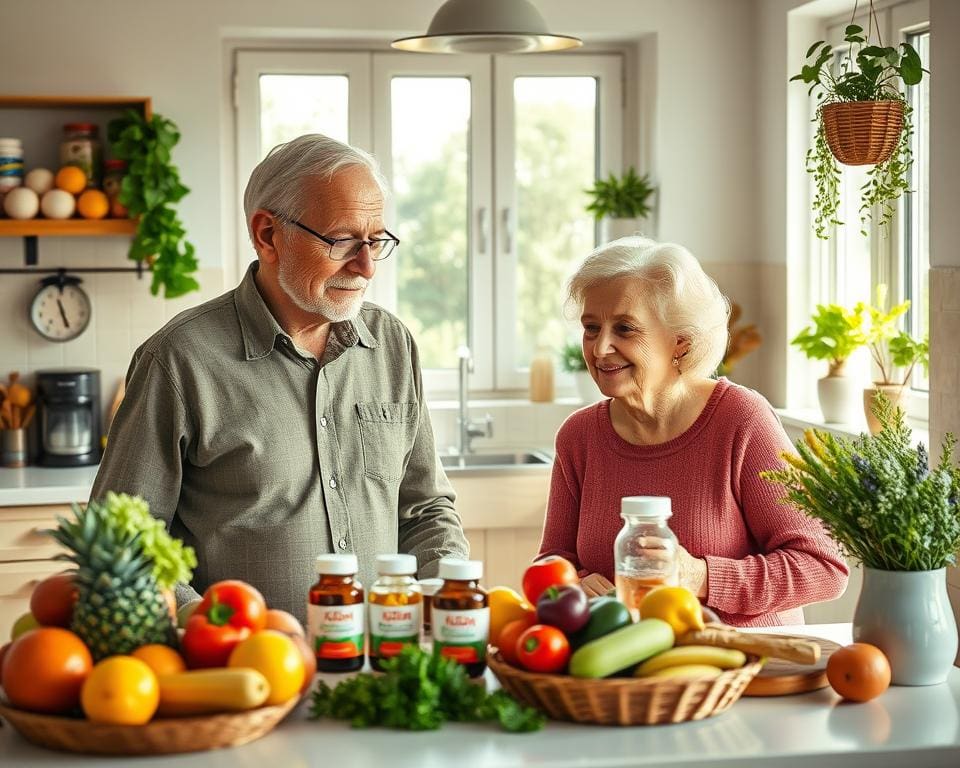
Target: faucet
[[467, 429]]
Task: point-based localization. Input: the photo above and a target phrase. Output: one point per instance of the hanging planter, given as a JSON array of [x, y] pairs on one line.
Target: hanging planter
[[864, 119]]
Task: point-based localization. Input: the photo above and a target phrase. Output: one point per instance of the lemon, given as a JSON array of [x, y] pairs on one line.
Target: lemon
[[506, 605], [677, 606]]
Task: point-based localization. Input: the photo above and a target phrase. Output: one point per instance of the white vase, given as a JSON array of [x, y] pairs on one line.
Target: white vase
[[617, 228], [841, 400], [587, 387], [907, 615]]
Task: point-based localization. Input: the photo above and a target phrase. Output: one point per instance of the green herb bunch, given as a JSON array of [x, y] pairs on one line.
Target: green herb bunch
[[874, 74], [149, 190], [836, 334], [571, 358], [419, 691], [621, 198], [877, 496]]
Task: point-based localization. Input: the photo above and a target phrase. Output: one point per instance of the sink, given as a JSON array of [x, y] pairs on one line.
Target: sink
[[497, 461]]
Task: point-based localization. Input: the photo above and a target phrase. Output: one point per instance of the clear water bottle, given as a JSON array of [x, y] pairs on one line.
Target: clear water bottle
[[645, 551]]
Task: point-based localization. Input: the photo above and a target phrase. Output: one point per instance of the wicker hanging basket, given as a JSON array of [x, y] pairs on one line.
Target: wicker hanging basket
[[862, 132]]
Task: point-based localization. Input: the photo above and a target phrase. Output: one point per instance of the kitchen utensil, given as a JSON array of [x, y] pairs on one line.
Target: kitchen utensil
[[780, 677]]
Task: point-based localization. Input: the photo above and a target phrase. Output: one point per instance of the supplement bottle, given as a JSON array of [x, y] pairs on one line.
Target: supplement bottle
[[335, 613], [461, 615], [394, 603]]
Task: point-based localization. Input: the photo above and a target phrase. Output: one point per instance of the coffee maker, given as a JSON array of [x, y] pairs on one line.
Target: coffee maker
[[69, 405]]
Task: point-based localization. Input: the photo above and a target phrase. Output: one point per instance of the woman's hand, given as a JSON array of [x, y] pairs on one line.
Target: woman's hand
[[595, 585], [692, 572]]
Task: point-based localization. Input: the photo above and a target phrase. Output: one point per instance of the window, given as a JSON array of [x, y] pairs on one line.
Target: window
[[488, 159]]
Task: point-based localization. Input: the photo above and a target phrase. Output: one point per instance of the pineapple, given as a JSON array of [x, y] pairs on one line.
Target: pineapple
[[123, 558]]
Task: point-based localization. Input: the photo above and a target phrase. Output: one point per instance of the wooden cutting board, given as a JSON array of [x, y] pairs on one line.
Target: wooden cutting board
[[780, 678]]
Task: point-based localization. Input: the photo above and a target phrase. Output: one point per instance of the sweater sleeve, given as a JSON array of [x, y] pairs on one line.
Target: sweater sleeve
[[563, 507], [799, 563]]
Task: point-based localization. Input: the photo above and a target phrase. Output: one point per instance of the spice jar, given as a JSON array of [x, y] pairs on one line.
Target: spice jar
[[394, 604], [541, 377], [81, 147], [429, 588], [645, 550], [113, 173], [11, 164], [461, 615], [335, 628]]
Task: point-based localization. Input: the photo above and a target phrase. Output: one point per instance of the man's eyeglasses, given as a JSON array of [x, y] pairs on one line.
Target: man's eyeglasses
[[341, 249]]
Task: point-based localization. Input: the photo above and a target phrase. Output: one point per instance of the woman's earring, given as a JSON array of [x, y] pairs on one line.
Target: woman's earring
[[676, 361]]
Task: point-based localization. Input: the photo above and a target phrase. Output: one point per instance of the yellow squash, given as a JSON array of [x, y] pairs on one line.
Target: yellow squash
[[203, 691]]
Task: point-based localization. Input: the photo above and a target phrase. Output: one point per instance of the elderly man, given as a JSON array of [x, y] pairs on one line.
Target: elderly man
[[286, 418]]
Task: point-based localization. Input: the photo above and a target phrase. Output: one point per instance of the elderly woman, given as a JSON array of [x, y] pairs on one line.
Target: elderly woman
[[654, 330]]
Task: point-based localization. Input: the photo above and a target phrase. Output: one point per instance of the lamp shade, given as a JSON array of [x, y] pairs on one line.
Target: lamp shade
[[487, 26]]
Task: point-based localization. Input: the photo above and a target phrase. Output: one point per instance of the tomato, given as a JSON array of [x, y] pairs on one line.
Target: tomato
[[552, 571], [229, 613], [52, 600], [205, 644], [507, 642], [543, 649], [44, 670]]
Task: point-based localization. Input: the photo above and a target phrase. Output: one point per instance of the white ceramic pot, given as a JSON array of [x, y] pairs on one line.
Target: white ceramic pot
[[587, 387], [617, 228], [841, 400]]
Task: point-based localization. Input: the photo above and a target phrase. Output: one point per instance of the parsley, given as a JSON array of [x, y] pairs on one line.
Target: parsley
[[418, 692]]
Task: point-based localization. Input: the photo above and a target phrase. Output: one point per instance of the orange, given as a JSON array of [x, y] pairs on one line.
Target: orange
[[121, 690], [171, 599], [277, 658], [284, 622], [162, 659], [93, 204], [44, 669], [72, 179], [507, 642], [309, 661], [859, 672], [506, 605]]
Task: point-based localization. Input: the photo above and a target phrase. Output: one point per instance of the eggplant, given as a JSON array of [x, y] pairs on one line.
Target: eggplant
[[565, 608]]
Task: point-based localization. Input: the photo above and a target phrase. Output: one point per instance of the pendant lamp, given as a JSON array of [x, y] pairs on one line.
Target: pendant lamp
[[487, 26]]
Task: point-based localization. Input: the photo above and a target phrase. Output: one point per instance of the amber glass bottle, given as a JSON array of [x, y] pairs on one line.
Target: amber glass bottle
[[461, 615], [335, 613], [394, 603]]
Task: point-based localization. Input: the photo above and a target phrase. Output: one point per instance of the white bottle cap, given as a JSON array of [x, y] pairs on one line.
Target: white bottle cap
[[337, 565], [396, 565], [430, 586], [646, 506], [460, 570]]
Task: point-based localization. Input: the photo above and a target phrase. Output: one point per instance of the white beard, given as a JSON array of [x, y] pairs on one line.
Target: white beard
[[329, 309]]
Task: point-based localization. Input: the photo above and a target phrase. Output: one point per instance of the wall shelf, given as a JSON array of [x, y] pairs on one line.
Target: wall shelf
[[67, 227]]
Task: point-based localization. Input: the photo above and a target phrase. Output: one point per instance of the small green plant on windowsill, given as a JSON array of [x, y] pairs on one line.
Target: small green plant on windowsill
[[893, 349], [623, 197], [836, 334], [571, 358]]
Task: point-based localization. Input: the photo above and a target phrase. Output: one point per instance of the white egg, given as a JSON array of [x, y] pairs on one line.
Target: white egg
[[58, 204], [39, 180], [21, 203]]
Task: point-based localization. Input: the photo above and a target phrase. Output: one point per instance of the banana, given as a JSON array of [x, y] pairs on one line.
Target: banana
[[682, 655], [689, 670]]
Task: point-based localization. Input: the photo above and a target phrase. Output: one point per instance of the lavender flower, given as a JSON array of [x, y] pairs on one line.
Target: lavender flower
[[923, 463], [868, 478]]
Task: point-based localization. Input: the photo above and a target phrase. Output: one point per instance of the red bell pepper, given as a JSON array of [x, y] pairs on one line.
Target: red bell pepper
[[230, 612]]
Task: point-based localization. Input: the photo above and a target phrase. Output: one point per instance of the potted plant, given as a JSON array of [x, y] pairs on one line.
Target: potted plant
[[743, 340], [622, 201], [571, 361], [891, 349], [149, 190], [887, 508], [863, 119], [835, 334]]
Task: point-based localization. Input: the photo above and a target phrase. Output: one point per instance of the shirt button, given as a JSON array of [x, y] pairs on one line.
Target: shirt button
[[323, 421], [342, 543], [333, 483]]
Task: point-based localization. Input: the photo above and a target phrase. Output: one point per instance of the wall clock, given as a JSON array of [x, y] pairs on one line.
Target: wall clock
[[60, 310]]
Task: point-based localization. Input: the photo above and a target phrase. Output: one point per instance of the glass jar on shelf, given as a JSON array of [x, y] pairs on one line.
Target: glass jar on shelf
[[645, 550], [81, 147], [113, 173]]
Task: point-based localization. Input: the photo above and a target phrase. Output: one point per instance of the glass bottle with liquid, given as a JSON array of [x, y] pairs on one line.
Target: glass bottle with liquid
[[395, 599], [645, 551], [335, 615], [461, 615]]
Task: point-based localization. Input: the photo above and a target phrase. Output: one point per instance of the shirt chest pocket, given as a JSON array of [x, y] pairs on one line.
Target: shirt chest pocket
[[387, 432]]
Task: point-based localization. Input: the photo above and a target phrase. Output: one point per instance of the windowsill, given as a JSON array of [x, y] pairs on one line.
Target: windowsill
[[804, 418]]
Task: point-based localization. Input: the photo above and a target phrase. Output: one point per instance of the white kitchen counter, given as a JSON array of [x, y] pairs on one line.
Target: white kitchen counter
[[45, 485], [913, 727]]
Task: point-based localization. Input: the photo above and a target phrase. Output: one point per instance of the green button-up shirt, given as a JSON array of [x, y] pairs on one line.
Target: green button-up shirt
[[261, 457]]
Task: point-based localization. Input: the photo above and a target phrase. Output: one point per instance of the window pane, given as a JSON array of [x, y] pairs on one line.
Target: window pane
[[555, 161], [431, 167], [292, 105]]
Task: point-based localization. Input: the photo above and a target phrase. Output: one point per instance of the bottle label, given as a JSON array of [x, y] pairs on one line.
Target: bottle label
[[462, 635], [392, 627], [336, 631]]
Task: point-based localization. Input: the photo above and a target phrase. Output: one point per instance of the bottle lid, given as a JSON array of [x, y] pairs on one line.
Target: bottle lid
[[396, 565], [646, 506], [80, 128], [430, 586], [460, 570], [337, 565]]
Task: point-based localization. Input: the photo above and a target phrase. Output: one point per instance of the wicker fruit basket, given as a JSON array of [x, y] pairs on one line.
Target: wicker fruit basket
[[627, 700], [158, 737], [862, 132]]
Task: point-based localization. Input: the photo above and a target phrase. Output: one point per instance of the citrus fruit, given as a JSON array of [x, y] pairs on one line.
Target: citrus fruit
[[71, 179], [510, 634], [284, 622], [44, 669], [23, 625], [52, 600], [677, 606], [309, 661], [121, 690], [858, 672], [277, 658], [162, 659], [506, 605], [93, 204]]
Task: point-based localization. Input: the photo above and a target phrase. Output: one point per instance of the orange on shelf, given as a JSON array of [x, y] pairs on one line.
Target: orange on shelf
[[71, 179], [93, 204]]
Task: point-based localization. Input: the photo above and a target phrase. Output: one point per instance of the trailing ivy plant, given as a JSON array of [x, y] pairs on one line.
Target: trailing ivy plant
[[621, 198], [150, 189], [876, 73]]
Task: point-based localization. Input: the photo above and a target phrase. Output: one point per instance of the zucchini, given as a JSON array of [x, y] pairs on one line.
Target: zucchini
[[622, 648], [204, 691], [606, 615]]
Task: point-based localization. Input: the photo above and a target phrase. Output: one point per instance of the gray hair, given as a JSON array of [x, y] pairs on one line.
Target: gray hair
[[682, 295], [276, 184]]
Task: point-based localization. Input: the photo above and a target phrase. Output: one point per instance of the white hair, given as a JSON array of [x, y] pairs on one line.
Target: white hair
[[684, 298], [277, 183]]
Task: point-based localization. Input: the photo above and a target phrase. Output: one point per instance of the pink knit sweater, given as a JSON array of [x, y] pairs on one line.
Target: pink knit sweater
[[765, 560]]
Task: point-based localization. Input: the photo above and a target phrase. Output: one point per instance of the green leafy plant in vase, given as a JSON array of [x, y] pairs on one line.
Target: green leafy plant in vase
[[878, 497], [571, 361], [836, 334], [149, 191], [622, 200], [867, 91]]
